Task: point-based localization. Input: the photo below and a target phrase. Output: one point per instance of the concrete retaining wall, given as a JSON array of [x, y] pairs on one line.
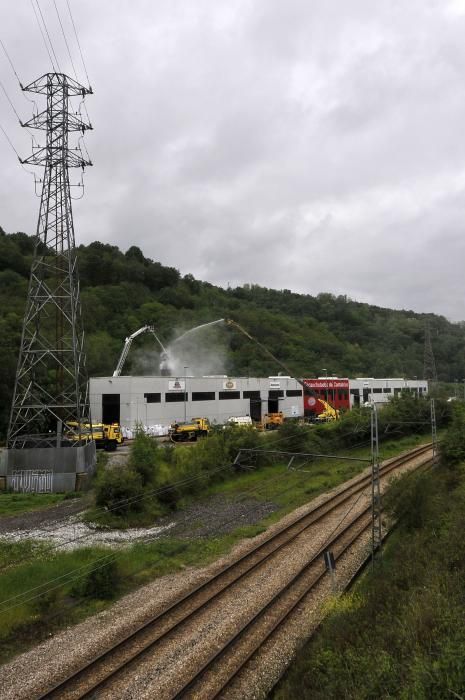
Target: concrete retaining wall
[[51, 469]]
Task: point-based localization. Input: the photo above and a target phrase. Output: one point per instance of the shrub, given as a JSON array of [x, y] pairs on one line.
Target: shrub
[[453, 443], [102, 582], [143, 459], [410, 499], [120, 491]]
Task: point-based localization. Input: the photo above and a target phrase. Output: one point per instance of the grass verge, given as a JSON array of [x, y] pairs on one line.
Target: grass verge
[[19, 503]]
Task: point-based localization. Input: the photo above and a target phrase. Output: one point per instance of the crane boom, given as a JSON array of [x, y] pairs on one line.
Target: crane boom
[[128, 343], [307, 390], [264, 348]]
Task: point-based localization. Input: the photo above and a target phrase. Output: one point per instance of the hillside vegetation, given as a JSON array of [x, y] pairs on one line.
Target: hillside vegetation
[[123, 291]]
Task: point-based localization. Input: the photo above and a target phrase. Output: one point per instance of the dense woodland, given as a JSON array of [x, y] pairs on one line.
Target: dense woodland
[[122, 291]]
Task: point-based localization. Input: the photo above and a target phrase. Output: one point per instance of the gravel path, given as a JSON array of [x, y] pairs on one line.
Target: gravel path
[[50, 661], [217, 516], [73, 533]]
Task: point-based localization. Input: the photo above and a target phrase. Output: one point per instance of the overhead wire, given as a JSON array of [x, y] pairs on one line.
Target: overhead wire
[[78, 42], [10, 61], [10, 142], [48, 35], [30, 172], [15, 111], [143, 565], [66, 577], [66, 41], [113, 556], [124, 502], [107, 558], [149, 494], [23, 92], [43, 35], [10, 101]]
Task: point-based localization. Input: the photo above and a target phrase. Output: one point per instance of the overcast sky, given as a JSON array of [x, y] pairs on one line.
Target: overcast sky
[[314, 146]]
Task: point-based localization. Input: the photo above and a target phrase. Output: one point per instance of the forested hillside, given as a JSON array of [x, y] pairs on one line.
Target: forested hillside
[[123, 291]]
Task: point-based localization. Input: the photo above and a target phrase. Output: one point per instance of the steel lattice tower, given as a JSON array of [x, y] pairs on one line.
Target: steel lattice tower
[[429, 364], [51, 382]]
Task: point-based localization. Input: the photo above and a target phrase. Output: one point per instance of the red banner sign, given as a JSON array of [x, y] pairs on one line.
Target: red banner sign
[[327, 383]]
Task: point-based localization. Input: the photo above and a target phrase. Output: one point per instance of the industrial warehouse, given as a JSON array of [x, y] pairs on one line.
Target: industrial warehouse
[[160, 401]]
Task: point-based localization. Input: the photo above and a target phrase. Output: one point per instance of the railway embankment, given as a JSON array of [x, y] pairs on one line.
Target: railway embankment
[[399, 632]]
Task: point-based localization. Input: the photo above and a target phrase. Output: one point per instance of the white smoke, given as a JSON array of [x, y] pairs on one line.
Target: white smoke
[[202, 350]]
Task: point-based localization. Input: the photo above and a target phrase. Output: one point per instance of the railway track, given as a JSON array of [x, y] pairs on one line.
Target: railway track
[[95, 676]]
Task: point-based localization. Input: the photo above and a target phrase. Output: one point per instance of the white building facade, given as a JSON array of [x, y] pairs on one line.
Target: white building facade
[[151, 401], [379, 391], [160, 401]]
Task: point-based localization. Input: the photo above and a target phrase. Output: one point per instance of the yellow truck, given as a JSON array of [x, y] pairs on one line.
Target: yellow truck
[[189, 431], [272, 421], [106, 435]]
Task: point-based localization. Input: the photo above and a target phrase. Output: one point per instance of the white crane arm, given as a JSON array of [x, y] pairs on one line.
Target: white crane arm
[[127, 345]]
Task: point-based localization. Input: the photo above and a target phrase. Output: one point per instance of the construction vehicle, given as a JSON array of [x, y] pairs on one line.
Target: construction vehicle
[[328, 413], [272, 421], [189, 431], [107, 436], [164, 369]]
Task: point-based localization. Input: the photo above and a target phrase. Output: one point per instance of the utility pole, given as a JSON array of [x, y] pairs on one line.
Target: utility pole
[[51, 381], [185, 393], [376, 525], [434, 435]]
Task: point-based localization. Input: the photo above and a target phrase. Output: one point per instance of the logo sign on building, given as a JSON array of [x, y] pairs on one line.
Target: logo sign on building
[[176, 385], [275, 384], [229, 384]]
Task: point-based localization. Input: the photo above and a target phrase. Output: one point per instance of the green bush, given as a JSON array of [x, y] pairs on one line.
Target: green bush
[[143, 458], [102, 582], [120, 491], [452, 446], [410, 499]]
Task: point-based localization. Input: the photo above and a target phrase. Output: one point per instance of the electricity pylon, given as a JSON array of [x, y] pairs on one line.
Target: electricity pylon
[[51, 382], [429, 364]]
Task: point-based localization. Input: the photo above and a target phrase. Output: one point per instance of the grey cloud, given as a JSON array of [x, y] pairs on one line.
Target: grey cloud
[[312, 146]]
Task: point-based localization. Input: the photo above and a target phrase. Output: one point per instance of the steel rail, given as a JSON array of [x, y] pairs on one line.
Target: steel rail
[[313, 515], [282, 617], [227, 646]]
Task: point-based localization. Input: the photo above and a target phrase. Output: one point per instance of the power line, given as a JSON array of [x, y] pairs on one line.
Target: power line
[[43, 35], [130, 501], [29, 172], [66, 41], [10, 142], [10, 61], [48, 35], [78, 42], [112, 556], [9, 100], [19, 81], [16, 113]]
